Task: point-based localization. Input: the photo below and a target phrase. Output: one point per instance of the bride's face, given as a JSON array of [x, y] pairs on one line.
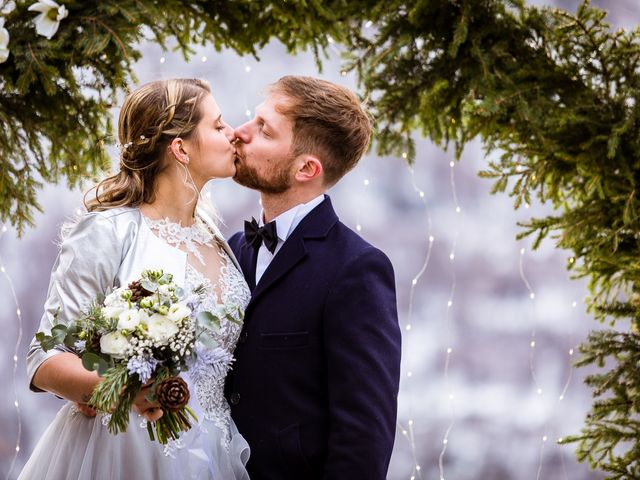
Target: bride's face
[[211, 154]]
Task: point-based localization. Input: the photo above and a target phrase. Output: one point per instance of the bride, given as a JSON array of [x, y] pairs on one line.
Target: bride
[[173, 140]]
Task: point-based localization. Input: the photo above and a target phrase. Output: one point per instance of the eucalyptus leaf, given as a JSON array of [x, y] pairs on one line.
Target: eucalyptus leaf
[[209, 320], [93, 362]]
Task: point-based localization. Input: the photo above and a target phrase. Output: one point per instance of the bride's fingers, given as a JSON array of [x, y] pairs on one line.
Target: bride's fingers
[[153, 414], [86, 410]]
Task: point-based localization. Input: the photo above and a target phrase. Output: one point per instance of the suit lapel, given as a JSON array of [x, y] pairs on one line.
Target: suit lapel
[[315, 225]]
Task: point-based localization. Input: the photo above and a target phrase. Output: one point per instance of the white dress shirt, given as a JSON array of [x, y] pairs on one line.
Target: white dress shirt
[[286, 223]]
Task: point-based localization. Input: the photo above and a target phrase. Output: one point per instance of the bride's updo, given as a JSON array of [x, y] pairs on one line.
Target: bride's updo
[[150, 118]]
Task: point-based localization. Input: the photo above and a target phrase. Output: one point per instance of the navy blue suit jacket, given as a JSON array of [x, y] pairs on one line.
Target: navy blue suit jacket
[[314, 385]]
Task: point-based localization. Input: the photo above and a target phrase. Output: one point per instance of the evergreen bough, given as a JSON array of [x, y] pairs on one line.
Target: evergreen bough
[[554, 93]]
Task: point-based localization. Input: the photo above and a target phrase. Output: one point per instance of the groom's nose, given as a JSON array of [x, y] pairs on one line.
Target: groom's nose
[[242, 133]]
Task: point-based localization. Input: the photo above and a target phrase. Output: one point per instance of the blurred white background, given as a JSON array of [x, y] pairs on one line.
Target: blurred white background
[[500, 397]]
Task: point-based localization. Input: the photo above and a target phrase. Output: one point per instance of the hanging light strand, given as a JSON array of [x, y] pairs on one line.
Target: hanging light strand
[[16, 349], [449, 351], [408, 432]]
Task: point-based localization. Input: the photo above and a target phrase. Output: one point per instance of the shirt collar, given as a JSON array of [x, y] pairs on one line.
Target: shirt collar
[[287, 221]]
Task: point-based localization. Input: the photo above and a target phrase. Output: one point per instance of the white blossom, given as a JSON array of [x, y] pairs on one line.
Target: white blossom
[[178, 311], [114, 344], [48, 21], [160, 328], [113, 312], [4, 42], [114, 299], [6, 7], [128, 320]]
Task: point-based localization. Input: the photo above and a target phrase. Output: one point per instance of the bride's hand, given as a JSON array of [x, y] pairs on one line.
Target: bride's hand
[[86, 409], [151, 411]]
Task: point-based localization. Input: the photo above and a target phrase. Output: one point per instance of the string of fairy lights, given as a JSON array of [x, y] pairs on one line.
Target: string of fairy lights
[[16, 350], [407, 430], [533, 345], [448, 321]]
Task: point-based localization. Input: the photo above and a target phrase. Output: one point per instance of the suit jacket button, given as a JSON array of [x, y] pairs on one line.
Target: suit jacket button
[[243, 337], [235, 398]]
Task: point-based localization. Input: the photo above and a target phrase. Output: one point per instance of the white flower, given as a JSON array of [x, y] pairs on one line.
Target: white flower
[[128, 320], [7, 7], [113, 312], [114, 343], [160, 328], [48, 21], [178, 311], [114, 299], [4, 42], [165, 290]]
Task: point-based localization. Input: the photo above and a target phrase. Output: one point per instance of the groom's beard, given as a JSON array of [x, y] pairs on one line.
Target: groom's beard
[[277, 181]]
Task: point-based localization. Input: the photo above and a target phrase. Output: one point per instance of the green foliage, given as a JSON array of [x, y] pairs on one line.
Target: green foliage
[[556, 95], [56, 94]]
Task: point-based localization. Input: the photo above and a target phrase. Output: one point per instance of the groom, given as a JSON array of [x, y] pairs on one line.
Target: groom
[[315, 381]]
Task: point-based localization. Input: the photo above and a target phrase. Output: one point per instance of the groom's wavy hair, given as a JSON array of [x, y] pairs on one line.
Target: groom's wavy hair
[[329, 121], [150, 118]]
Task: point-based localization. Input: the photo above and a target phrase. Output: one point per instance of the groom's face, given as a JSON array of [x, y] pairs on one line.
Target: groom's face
[[264, 161]]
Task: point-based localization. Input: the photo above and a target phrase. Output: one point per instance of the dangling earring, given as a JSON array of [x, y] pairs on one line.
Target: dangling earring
[[187, 181]]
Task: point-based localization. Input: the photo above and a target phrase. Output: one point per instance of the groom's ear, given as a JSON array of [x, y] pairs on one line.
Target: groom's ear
[[309, 168]]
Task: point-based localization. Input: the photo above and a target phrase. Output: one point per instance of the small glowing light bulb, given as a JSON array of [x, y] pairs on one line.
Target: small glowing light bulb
[[247, 69], [162, 60]]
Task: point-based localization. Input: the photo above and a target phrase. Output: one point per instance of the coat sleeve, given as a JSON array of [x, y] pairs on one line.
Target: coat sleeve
[[87, 265], [363, 345]]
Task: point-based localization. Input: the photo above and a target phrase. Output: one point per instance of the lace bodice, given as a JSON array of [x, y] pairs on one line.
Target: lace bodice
[[216, 340]]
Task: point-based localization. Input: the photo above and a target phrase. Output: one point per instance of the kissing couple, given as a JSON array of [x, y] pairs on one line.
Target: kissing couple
[[312, 390]]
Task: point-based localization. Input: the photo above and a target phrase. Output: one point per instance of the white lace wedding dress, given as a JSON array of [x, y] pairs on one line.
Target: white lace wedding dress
[[78, 447]]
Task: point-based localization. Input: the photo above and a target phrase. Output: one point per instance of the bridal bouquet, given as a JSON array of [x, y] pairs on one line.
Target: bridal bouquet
[[134, 337]]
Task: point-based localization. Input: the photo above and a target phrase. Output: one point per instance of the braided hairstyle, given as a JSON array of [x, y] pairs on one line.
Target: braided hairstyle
[[150, 118]]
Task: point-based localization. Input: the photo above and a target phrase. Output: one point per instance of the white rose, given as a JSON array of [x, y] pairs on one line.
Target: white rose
[[178, 311], [114, 344], [113, 312], [4, 42], [160, 328], [114, 299], [128, 320]]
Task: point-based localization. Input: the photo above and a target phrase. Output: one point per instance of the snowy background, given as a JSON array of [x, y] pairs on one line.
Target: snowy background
[[500, 403]]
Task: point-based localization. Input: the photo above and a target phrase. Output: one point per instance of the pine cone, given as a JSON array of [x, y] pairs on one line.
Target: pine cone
[[138, 291], [173, 394]]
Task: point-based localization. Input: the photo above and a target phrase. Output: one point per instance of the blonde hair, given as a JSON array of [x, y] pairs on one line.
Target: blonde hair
[[150, 118]]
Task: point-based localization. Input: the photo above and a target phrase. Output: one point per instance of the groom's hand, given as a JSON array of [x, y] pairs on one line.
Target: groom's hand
[[142, 406]]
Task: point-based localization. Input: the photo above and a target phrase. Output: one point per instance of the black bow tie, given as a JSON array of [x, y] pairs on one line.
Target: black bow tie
[[255, 235]]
